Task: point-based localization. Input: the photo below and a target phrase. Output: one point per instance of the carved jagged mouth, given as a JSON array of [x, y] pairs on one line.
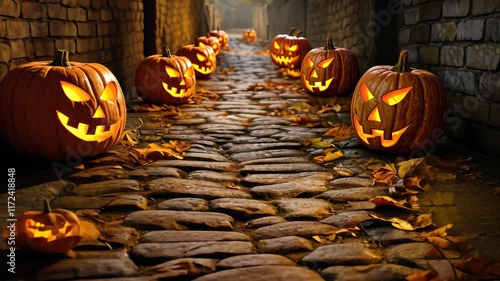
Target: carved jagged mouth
[[204, 70], [80, 132], [317, 86], [174, 93], [284, 60], [378, 133]]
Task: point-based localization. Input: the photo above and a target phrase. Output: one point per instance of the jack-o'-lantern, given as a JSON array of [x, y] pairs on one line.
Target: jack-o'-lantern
[[48, 231], [165, 78], [55, 109], [290, 53], [211, 41], [329, 71], [221, 36], [275, 48], [202, 57], [250, 35], [398, 109]]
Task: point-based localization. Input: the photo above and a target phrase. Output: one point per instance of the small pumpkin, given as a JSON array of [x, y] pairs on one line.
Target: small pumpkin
[[211, 41], [221, 36], [165, 78], [55, 109], [290, 52], [202, 57], [329, 71], [398, 108], [48, 231], [250, 35], [276, 46]]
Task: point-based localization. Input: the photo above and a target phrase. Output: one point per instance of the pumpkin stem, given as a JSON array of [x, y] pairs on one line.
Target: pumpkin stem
[[329, 44], [165, 52], [298, 32], [217, 28], [46, 207], [61, 58], [402, 65], [291, 31]]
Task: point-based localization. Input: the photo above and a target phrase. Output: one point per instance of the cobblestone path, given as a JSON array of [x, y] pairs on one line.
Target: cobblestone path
[[246, 203]]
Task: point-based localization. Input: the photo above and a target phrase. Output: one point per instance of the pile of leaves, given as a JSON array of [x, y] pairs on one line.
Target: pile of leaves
[[271, 85]]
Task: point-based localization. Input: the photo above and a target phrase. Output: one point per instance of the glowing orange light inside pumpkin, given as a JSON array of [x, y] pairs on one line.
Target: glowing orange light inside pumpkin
[[76, 94], [172, 90], [374, 115], [396, 96]]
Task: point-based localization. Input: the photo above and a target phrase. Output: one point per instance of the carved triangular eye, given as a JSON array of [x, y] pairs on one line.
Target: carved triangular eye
[[293, 48], [110, 92], [201, 57], [325, 63], [396, 96], [276, 45], [172, 72], [74, 92], [214, 47], [201, 44], [309, 62], [366, 95]]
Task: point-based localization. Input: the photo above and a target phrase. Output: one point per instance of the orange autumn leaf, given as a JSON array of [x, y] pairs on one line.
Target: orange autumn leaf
[[385, 176], [429, 275], [408, 204], [155, 151]]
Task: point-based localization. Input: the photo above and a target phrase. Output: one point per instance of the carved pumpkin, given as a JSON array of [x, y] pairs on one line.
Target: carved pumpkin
[[221, 36], [50, 231], [398, 109], [329, 71], [250, 35], [202, 57], [53, 109], [211, 41], [165, 78], [290, 53], [275, 48]]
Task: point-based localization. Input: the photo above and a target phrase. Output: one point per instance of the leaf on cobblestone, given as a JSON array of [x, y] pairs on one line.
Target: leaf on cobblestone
[[407, 204], [396, 222], [146, 107], [429, 275], [317, 143], [341, 132], [308, 120], [89, 230], [302, 107], [330, 154], [173, 148]]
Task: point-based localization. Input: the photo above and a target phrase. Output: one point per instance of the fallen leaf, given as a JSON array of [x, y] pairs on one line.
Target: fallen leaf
[[302, 106], [89, 230], [333, 156], [341, 132], [429, 275], [155, 151], [406, 168], [396, 222], [388, 201]]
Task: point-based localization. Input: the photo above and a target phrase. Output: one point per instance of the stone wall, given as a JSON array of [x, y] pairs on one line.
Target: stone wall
[[103, 31], [347, 22], [459, 41], [285, 14], [179, 23]]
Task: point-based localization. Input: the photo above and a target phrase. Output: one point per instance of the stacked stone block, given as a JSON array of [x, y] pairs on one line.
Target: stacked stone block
[[458, 40], [103, 31], [179, 23], [349, 24]]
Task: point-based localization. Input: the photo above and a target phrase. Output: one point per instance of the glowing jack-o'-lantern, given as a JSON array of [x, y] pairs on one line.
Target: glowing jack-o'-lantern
[[49, 231], [275, 48], [202, 57], [211, 41], [55, 109], [165, 78], [290, 53], [329, 71], [398, 109], [221, 36], [250, 35]]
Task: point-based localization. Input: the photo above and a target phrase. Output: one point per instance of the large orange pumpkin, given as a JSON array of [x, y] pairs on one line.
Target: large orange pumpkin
[[55, 109], [290, 53], [398, 108], [48, 231], [165, 78], [329, 71], [202, 57], [276, 45]]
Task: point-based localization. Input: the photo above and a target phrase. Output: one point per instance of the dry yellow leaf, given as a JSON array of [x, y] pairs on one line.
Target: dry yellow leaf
[[333, 156]]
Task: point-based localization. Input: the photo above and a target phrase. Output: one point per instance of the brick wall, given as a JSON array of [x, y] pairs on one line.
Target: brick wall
[[346, 21], [103, 31], [459, 41], [179, 23]]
